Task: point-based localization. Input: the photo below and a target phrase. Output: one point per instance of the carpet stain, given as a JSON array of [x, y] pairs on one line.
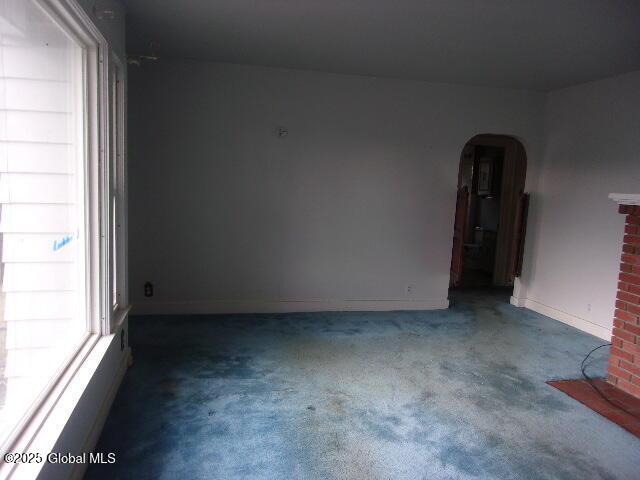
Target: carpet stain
[[451, 394]]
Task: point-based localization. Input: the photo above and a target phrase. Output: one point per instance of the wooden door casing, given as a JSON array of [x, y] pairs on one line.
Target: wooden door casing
[[457, 253]]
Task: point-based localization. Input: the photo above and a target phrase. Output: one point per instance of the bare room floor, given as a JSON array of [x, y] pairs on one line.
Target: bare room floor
[[453, 394]]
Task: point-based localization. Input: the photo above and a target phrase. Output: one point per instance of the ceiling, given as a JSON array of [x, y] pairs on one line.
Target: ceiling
[[532, 44]]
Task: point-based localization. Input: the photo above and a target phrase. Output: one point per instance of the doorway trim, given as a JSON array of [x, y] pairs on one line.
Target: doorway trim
[[514, 167]]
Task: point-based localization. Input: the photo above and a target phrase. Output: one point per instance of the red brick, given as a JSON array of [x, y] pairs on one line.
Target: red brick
[[620, 373], [624, 335], [633, 259], [629, 278], [631, 239], [623, 355], [629, 298], [629, 327], [628, 387], [635, 309], [630, 367], [614, 361], [626, 316], [630, 347], [624, 360], [626, 209]]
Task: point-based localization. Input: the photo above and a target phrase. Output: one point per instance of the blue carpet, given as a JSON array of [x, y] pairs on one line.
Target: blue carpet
[[452, 394]]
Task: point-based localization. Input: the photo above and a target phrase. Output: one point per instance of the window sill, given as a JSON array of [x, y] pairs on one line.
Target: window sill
[[119, 315]]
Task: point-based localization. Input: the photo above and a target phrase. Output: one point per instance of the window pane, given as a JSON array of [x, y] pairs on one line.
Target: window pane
[[43, 314], [113, 184]]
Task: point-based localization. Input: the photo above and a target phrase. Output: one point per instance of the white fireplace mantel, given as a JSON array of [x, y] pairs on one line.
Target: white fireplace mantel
[[625, 198]]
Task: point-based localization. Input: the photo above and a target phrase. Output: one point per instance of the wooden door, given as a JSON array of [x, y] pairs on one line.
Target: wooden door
[[457, 254], [519, 234]]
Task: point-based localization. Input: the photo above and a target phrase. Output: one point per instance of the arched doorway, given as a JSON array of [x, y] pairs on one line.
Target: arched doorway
[[491, 210]]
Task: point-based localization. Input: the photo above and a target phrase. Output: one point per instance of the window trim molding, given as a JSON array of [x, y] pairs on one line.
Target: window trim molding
[[71, 17], [116, 66]]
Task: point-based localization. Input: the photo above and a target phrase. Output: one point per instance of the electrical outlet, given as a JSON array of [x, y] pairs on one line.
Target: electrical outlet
[[409, 289], [148, 289]]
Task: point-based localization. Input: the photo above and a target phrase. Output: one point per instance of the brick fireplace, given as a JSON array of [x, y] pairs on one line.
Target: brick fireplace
[[624, 363]]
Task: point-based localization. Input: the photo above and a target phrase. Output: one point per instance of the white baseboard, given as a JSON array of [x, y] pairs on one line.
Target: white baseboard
[[517, 301], [564, 317], [94, 435], [207, 307]]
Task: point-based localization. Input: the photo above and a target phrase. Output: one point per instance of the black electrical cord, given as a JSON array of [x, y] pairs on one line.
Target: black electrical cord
[[583, 367]]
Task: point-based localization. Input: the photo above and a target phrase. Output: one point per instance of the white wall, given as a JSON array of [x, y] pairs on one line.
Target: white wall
[[591, 149], [356, 203]]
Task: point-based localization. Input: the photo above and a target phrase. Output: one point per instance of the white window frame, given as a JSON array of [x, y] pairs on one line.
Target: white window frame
[[117, 158], [77, 24]]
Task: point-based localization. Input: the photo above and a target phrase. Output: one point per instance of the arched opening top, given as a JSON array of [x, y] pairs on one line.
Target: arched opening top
[[514, 152]]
